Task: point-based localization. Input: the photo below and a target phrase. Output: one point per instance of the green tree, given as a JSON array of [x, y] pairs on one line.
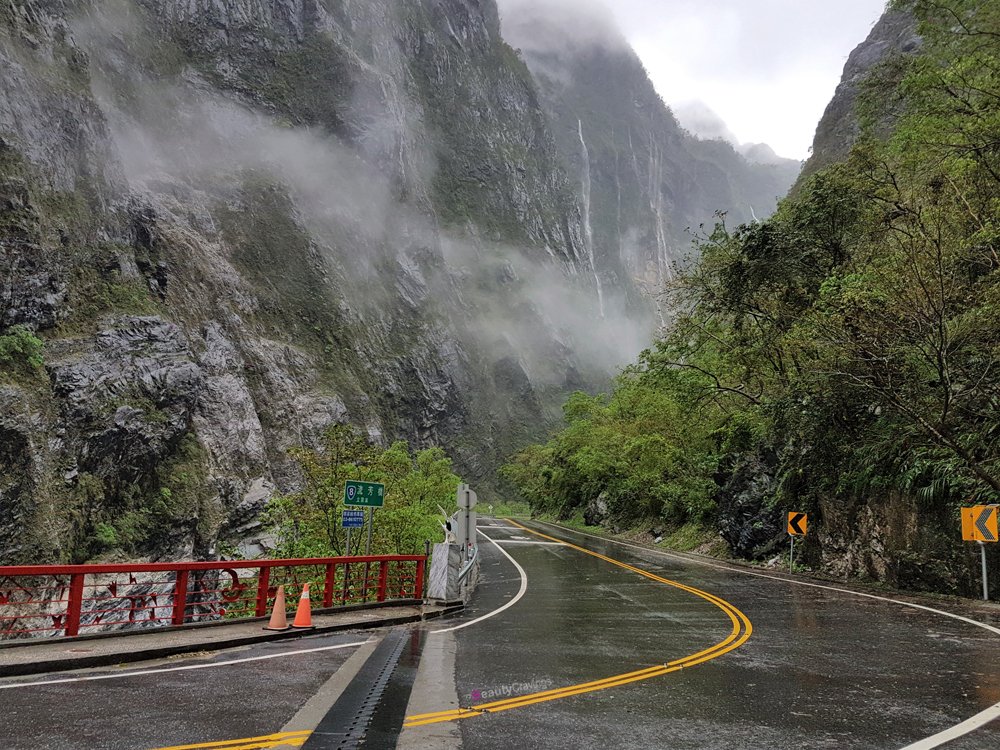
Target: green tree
[[21, 351], [308, 522]]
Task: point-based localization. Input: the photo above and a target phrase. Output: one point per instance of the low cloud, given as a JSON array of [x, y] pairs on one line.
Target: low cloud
[[700, 120], [186, 139], [529, 24], [769, 67]]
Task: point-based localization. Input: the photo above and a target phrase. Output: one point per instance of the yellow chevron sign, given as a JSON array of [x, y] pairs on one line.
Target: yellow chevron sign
[[979, 523], [798, 524]]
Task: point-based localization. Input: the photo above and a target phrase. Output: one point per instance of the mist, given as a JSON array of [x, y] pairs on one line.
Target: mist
[[183, 142], [582, 24], [701, 121], [741, 59]]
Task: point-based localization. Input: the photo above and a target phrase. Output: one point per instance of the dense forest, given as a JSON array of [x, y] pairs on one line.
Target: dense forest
[[840, 358]]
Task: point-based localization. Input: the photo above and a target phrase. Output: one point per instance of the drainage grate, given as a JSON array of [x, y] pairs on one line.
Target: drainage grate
[[349, 724]]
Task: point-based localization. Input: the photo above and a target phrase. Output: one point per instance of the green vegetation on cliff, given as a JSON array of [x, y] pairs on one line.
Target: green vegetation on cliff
[[843, 354]]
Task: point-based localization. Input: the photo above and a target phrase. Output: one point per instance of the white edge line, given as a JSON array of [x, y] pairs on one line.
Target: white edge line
[[185, 668], [959, 730], [521, 592]]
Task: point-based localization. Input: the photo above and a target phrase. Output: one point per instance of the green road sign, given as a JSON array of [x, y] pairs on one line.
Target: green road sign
[[364, 494]]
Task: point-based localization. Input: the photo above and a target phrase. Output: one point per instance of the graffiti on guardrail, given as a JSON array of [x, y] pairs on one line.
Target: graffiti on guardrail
[[54, 601]]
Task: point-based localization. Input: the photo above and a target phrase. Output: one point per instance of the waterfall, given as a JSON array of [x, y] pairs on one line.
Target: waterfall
[[655, 188], [588, 231], [656, 206]]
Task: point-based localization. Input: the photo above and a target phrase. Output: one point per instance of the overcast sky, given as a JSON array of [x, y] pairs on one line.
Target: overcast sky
[[767, 67]]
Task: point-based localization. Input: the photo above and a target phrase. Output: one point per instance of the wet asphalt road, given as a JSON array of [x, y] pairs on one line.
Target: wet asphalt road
[[821, 670], [171, 708]]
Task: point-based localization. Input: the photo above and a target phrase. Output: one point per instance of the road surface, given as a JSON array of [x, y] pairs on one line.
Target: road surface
[[586, 644]]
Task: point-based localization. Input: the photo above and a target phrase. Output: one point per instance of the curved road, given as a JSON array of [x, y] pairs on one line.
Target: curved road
[[572, 641], [822, 669]]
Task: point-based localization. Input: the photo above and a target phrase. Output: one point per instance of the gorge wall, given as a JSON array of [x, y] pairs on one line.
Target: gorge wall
[[232, 224]]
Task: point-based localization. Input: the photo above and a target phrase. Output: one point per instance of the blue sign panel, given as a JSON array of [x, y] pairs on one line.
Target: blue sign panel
[[353, 519]]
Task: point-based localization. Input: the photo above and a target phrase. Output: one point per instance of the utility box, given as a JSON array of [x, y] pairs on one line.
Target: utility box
[[464, 522]]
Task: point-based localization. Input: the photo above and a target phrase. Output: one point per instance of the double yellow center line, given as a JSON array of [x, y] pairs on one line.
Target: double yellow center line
[[739, 634], [741, 631], [280, 739]]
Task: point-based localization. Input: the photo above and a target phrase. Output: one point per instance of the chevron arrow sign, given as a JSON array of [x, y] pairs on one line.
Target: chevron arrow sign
[[979, 523]]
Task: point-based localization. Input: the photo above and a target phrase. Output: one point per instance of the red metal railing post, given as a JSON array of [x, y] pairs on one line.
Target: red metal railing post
[[331, 581], [383, 578], [206, 583], [263, 588], [418, 583], [180, 597], [74, 606]]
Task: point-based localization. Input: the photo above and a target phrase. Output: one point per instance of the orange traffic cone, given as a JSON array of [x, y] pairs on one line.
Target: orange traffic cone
[[303, 615], [278, 621]]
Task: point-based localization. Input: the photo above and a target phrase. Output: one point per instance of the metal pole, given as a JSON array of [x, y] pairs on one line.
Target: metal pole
[[371, 522], [368, 551], [791, 555], [348, 553], [986, 583]]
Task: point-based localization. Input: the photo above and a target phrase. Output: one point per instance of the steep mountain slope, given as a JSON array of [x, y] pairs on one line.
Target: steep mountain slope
[[838, 130], [225, 226], [225, 222], [644, 181], [837, 359]]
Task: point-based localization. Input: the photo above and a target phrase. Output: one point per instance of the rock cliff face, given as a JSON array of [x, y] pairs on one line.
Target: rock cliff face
[[838, 130], [235, 223], [889, 537], [645, 183]]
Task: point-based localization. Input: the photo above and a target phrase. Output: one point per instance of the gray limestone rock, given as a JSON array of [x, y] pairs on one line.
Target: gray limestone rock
[[895, 33], [238, 223]]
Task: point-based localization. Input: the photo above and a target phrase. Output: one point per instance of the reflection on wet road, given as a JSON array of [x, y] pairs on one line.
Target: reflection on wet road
[[823, 669], [740, 633]]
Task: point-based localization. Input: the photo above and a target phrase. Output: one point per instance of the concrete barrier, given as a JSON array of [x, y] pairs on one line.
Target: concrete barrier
[[454, 573]]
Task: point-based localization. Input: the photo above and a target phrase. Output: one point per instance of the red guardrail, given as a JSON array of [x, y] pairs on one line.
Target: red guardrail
[[69, 600]]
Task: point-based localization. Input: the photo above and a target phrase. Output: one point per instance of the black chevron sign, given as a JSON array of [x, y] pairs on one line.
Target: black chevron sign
[[986, 524], [798, 524], [979, 523]]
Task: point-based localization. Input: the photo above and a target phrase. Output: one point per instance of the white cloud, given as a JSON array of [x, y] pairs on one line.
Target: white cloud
[[767, 67]]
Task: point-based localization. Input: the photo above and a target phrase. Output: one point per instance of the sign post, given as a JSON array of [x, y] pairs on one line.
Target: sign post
[[365, 495], [369, 495], [986, 580], [798, 525], [979, 524], [351, 519], [466, 499], [371, 523]]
